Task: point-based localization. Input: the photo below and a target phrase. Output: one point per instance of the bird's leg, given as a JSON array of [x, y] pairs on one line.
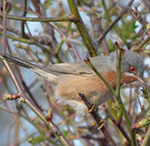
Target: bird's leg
[[92, 108], [101, 121]]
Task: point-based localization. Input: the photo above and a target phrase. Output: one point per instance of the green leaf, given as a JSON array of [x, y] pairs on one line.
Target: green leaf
[[132, 26]]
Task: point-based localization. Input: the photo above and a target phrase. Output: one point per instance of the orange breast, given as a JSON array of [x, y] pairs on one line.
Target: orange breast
[[70, 85]]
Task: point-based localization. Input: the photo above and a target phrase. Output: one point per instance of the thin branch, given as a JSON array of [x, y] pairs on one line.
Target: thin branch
[[88, 62], [31, 105], [59, 19], [146, 138], [99, 40], [4, 26], [118, 98], [82, 29], [117, 125], [49, 123], [98, 120], [139, 47]]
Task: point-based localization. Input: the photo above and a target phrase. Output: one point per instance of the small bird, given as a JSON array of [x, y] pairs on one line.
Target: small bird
[[77, 77]]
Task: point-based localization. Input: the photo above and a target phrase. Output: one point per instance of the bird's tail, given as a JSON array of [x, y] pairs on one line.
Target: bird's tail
[[42, 71]]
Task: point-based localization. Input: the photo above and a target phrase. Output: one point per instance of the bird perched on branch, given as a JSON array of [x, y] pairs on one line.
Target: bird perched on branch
[[77, 77]]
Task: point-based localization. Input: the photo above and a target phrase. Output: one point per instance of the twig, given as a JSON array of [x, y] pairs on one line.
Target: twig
[[98, 120], [26, 88], [4, 26], [88, 62], [117, 125], [59, 19], [32, 106], [146, 138], [49, 123], [118, 98], [99, 40], [139, 47], [81, 27]]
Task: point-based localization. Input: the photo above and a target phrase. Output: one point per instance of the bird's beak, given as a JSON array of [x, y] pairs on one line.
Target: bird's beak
[[141, 80]]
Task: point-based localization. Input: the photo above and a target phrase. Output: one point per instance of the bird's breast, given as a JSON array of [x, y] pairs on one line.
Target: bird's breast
[[92, 86]]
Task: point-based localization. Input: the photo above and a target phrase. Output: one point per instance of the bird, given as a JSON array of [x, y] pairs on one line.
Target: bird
[[72, 78]]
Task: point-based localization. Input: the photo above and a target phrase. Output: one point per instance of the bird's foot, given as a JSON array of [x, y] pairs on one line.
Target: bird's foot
[[101, 123], [91, 109]]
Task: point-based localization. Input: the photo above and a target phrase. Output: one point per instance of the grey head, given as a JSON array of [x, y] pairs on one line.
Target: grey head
[[132, 65]]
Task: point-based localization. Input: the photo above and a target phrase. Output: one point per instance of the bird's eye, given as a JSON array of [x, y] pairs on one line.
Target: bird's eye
[[132, 69]]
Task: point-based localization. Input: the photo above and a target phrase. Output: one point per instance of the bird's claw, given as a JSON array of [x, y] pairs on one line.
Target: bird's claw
[[101, 123], [94, 123], [91, 109]]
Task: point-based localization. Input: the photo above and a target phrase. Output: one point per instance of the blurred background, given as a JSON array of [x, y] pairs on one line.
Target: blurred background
[[17, 122]]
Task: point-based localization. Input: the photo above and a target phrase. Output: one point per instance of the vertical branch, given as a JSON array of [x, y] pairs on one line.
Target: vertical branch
[[146, 138], [89, 63], [4, 26], [22, 22], [82, 29], [118, 98]]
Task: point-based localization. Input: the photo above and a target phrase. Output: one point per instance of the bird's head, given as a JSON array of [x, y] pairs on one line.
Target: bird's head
[[132, 66]]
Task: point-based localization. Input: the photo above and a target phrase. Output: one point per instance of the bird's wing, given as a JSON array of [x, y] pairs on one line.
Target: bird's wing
[[81, 68], [102, 64]]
